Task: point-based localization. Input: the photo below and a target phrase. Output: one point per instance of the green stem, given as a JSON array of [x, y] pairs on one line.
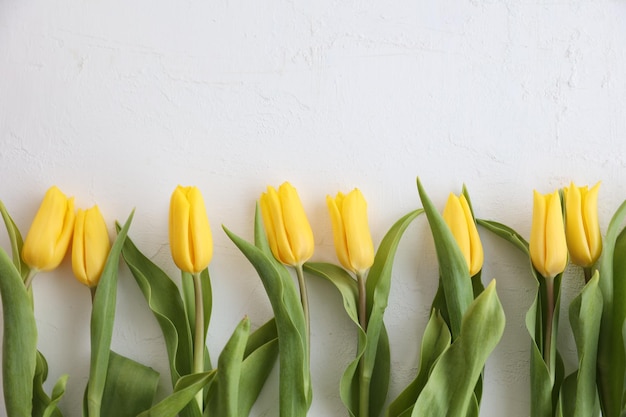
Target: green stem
[[29, 278], [549, 319], [362, 301], [304, 299], [364, 380], [198, 340]]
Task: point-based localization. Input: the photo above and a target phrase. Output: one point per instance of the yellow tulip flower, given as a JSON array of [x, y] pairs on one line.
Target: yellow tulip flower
[[50, 233], [458, 217], [548, 248], [353, 241], [90, 246], [191, 241], [288, 230], [582, 228]]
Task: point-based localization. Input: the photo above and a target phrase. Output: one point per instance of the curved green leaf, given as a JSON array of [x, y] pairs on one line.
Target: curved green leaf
[[19, 343], [184, 393], [450, 388], [295, 378], [165, 302], [102, 317], [506, 233], [57, 394], [611, 353], [453, 271], [15, 239]]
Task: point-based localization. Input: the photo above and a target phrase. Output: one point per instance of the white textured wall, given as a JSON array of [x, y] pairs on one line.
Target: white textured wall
[[117, 102]]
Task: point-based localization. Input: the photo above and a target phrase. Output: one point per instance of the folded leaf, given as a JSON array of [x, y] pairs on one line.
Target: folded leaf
[[450, 387]]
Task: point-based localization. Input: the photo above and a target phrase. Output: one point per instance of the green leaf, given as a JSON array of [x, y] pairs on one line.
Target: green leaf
[[229, 367], [15, 238], [130, 387], [506, 233], [453, 271], [585, 314], [449, 391], [57, 394], [165, 302], [611, 354], [184, 393], [295, 378], [102, 317], [259, 359], [435, 341], [19, 344]]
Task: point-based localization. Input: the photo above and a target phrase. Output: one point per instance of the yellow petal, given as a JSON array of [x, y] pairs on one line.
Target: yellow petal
[[201, 239], [454, 217], [339, 232], [358, 237], [556, 245], [537, 244], [49, 235], [297, 228], [476, 247], [592, 224], [90, 247]]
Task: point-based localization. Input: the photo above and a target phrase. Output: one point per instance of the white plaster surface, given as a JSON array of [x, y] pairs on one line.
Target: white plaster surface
[[117, 102]]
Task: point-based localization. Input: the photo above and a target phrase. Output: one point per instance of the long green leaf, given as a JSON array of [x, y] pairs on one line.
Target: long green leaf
[[184, 393], [453, 271], [611, 354], [19, 343], [585, 313], [15, 239], [165, 302], [102, 317], [450, 387], [377, 290], [57, 394], [229, 367], [295, 379], [506, 233]]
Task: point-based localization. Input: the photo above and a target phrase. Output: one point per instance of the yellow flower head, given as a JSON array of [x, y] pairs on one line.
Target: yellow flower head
[[582, 228], [191, 241], [288, 230], [353, 241], [548, 248], [90, 246], [51, 231], [458, 217]]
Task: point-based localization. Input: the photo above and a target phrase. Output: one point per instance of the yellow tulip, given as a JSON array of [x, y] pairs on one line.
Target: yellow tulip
[[548, 248], [458, 217], [581, 224], [288, 230], [353, 241], [90, 246], [51, 231], [191, 241]]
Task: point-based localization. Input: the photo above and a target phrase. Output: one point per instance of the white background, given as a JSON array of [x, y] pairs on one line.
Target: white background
[[117, 102]]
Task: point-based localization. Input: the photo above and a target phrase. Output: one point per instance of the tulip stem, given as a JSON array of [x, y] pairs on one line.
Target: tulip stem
[[362, 301], [304, 299], [29, 278], [199, 340], [549, 321]]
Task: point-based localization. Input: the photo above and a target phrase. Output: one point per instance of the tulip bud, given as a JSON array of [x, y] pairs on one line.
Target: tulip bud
[[51, 231], [90, 246], [288, 230], [458, 216], [548, 248], [353, 241], [581, 224], [191, 241]]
